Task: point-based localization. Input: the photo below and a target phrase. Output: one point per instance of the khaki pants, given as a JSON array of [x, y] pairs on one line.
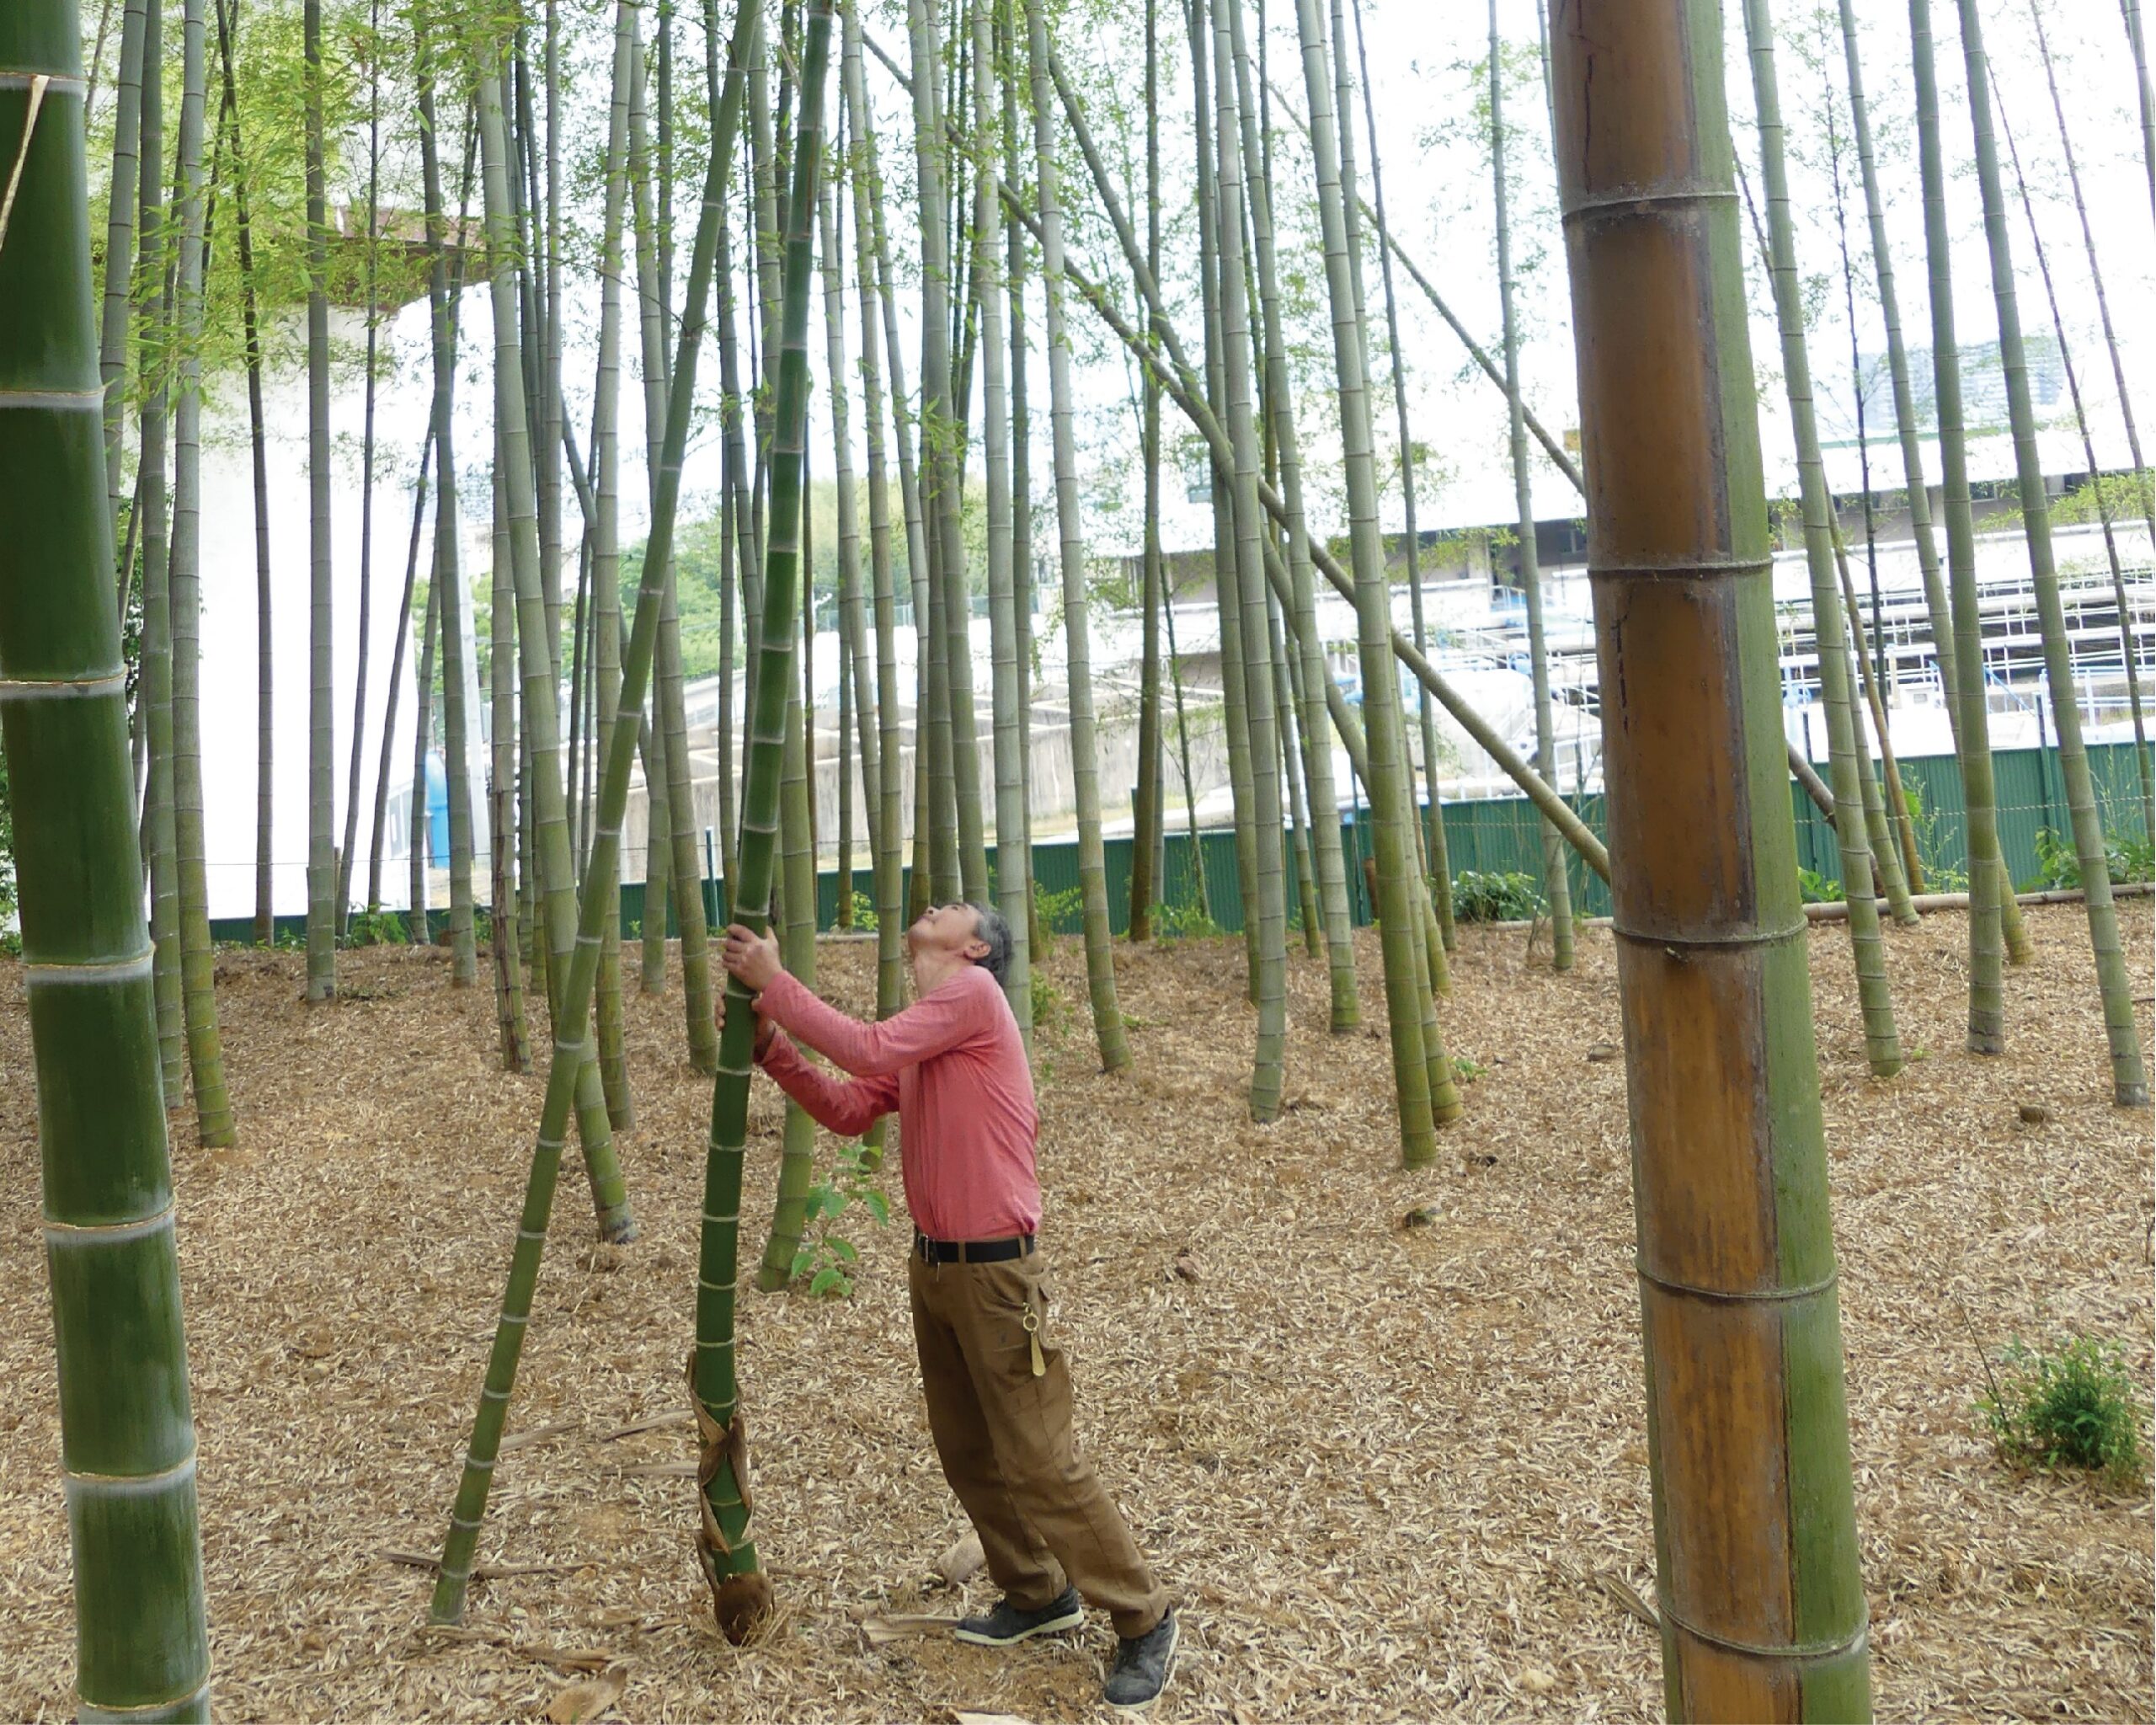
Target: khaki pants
[[1003, 1436]]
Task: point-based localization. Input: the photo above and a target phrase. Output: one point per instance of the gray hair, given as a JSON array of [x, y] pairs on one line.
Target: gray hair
[[990, 926]]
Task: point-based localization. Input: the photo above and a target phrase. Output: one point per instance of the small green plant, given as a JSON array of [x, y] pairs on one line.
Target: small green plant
[[824, 1256], [2059, 866], [2072, 1406], [1480, 896], [1059, 908], [864, 914], [1818, 889], [1048, 1002], [374, 928], [1941, 873], [1183, 923], [1465, 1070]]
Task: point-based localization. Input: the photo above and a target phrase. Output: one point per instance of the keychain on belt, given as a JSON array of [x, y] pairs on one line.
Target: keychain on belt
[[1031, 1324]]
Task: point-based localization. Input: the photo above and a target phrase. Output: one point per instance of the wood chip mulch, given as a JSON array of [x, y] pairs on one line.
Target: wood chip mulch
[[1391, 1472]]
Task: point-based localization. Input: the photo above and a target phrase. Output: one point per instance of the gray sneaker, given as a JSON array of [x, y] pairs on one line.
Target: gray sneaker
[[1142, 1664], [1007, 1626]]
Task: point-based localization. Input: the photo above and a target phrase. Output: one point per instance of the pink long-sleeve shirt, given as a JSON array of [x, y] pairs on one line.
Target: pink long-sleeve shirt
[[954, 1067]]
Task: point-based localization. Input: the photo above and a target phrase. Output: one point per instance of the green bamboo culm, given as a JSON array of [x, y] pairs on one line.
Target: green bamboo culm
[[741, 1593], [1882, 1044], [796, 1162], [213, 1109], [321, 724], [1991, 893], [555, 929], [1555, 874], [126, 1430], [1399, 929], [1092, 869], [1259, 713], [592, 908], [2129, 1076]]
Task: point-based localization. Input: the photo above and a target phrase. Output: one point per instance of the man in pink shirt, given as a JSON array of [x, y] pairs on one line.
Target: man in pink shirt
[[954, 1068]]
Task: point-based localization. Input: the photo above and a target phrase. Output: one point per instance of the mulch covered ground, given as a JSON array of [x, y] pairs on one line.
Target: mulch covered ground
[[1391, 1473]]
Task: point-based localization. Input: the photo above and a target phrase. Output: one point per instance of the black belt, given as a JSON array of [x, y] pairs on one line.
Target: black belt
[[934, 1252]]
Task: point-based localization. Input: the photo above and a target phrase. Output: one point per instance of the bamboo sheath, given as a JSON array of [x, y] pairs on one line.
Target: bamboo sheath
[[581, 971], [126, 1432], [1762, 1606]]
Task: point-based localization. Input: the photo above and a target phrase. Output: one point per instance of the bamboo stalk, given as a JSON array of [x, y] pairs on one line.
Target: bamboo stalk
[[564, 1065], [1882, 1043], [127, 1433], [1092, 869], [1762, 1606], [2129, 1076]]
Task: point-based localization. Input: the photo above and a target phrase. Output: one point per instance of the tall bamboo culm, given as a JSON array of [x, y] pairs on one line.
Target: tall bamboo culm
[[1990, 890], [460, 1545], [555, 929], [2114, 982], [741, 1593], [1761, 1600], [322, 723], [213, 1109], [1092, 867], [1557, 880], [127, 1431], [1882, 1044], [1400, 928], [447, 586]]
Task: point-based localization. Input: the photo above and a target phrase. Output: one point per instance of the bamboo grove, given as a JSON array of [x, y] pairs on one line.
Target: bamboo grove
[[656, 234]]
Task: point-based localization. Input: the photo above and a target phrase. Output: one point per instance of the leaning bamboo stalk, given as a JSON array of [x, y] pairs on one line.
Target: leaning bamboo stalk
[[2144, 484], [564, 1064], [1762, 1606], [1882, 1043], [127, 1442], [2114, 985], [1181, 382], [123, 191]]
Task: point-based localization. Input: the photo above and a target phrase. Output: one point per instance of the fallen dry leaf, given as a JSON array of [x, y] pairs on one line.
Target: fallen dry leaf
[[588, 1697], [963, 1562]]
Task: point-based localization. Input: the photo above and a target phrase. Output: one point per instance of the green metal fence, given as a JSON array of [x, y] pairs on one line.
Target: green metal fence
[[1503, 835]]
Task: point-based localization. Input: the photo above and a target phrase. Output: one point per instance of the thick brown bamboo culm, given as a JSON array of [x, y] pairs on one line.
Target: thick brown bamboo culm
[[1761, 1601]]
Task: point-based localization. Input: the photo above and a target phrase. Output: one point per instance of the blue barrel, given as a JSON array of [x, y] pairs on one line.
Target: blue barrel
[[437, 811]]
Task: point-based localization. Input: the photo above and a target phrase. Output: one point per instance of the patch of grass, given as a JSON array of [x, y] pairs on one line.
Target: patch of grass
[[2072, 1406], [1048, 1002], [2128, 859], [1183, 923]]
